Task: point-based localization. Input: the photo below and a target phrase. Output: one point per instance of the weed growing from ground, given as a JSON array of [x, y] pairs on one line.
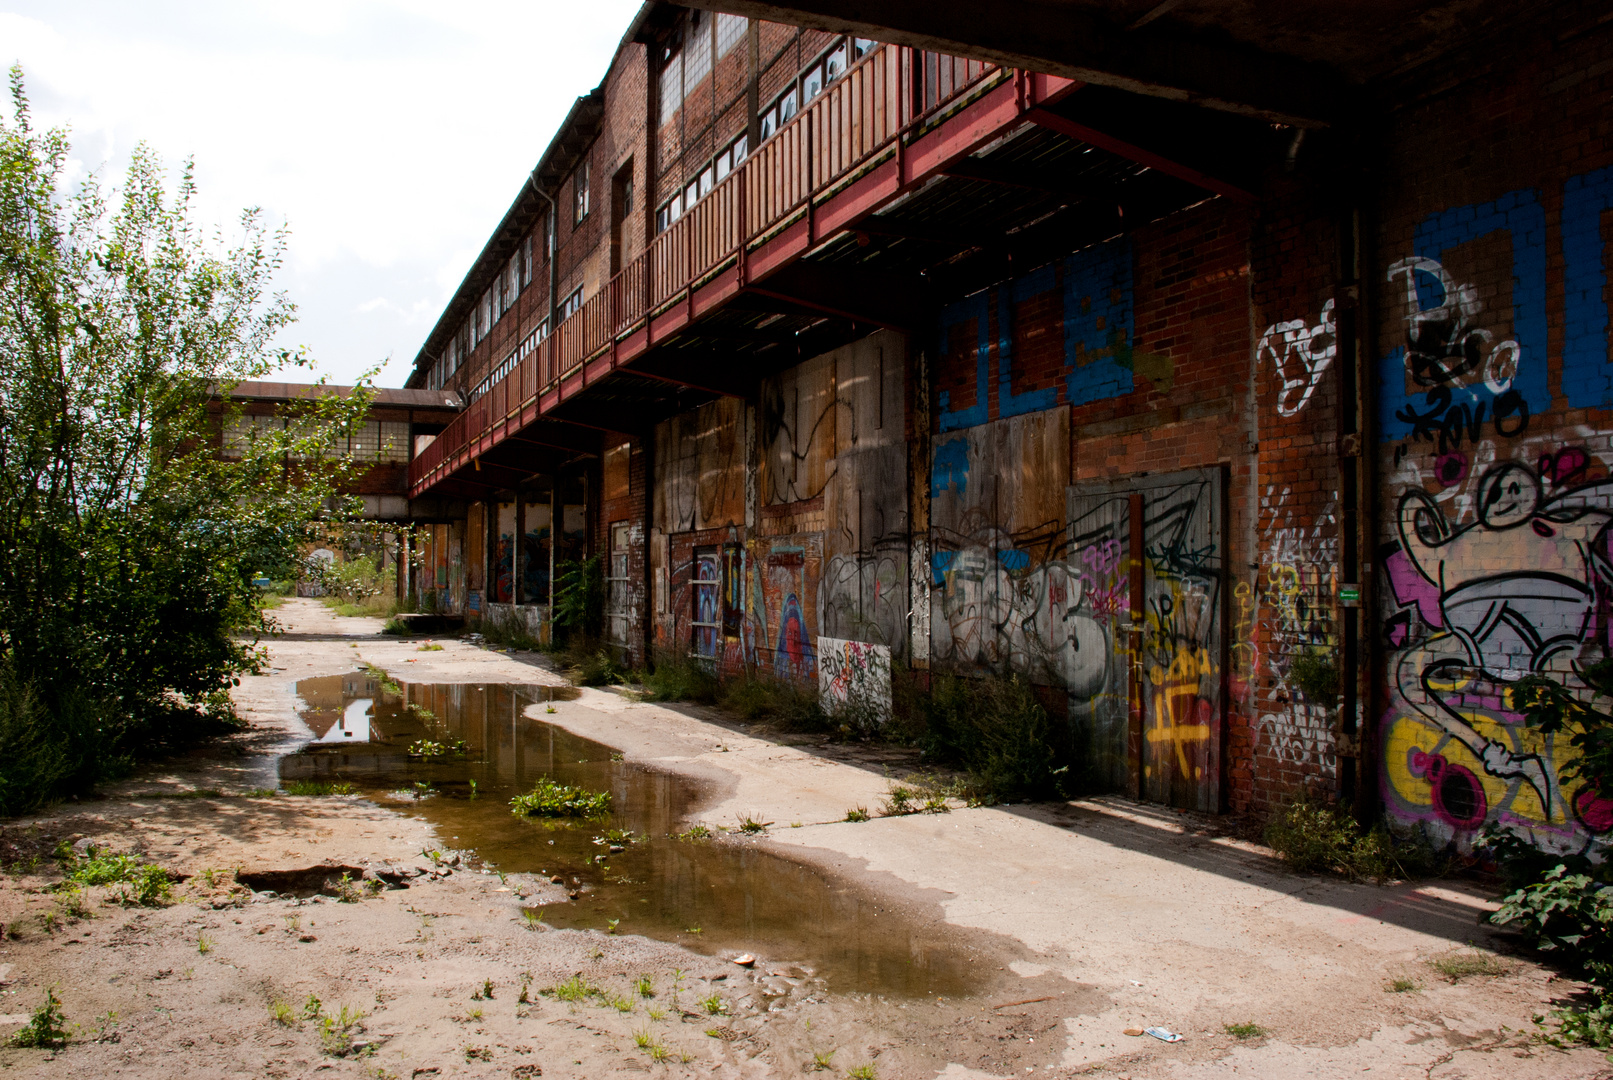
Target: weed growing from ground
[[573, 990], [693, 833], [857, 813], [645, 986], [713, 1005], [425, 748], [611, 925], [553, 799], [46, 1028], [282, 1013], [259, 793], [1244, 1031], [1399, 986], [319, 787], [679, 677], [656, 1014], [1456, 966], [204, 944], [312, 1008], [534, 921], [100, 867], [822, 1060], [862, 1072], [429, 647], [525, 996], [748, 824]]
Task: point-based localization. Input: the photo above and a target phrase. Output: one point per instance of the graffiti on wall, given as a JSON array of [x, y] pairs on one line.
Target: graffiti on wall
[[864, 594], [1497, 554], [781, 603], [1300, 354], [1002, 588], [853, 675], [1299, 554], [700, 468], [1525, 588], [1093, 288]]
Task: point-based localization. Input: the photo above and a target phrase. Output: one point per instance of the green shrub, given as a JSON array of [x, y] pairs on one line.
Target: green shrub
[[550, 798], [579, 598], [598, 668], [784, 703], [679, 677], [996, 729], [1316, 673], [396, 627], [1313, 838]]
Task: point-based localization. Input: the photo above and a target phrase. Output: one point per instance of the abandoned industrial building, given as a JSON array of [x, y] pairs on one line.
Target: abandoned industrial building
[[838, 340]]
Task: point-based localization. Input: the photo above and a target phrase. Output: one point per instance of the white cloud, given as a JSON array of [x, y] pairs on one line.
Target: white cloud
[[391, 136]]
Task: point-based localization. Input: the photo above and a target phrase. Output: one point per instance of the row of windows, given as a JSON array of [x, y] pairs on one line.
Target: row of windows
[[507, 365], [381, 441], [807, 85], [511, 281]]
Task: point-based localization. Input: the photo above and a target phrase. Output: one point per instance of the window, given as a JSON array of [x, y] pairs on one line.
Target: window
[[707, 621], [579, 180], [812, 83], [526, 262], [707, 181], [618, 609], [741, 149], [669, 213], [671, 88], [696, 51], [724, 165], [730, 32], [835, 66], [394, 442], [691, 195], [786, 107], [861, 47], [627, 190], [769, 123], [571, 304]]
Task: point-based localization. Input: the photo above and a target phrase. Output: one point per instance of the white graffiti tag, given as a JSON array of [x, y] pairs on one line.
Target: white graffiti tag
[[1301, 355]]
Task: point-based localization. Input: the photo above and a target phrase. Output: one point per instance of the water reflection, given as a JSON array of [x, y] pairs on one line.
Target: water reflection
[[712, 897]]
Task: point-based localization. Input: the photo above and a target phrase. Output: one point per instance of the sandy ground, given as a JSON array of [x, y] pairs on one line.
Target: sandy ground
[[1088, 919]]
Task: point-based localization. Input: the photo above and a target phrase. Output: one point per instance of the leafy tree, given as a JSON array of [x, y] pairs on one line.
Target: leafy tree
[[128, 540]]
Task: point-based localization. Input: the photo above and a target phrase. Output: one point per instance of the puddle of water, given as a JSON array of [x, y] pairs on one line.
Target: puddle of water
[[742, 898]]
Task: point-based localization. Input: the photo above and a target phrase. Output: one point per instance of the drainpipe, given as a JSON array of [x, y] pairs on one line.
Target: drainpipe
[[553, 245]]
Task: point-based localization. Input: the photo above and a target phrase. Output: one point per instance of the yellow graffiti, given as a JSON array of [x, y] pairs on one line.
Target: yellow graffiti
[[1176, 702]]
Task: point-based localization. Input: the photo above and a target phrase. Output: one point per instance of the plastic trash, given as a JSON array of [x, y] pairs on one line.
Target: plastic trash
[[1163, 1034]]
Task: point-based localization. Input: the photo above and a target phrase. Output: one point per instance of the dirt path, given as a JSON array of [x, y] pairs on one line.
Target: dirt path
[[1084, 920]]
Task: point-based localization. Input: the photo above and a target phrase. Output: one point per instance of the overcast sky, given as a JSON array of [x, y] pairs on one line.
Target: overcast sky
[[390, 136]]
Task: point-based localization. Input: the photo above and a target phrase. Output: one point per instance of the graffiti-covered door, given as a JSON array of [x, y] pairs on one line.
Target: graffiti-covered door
[[1148, 641], [1182, 639]]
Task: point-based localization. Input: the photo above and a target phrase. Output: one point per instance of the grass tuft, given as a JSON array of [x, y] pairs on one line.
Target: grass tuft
[[1244, 1031]]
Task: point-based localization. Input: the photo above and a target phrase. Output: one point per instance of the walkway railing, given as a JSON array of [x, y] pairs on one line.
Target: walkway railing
[[857, 121]]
